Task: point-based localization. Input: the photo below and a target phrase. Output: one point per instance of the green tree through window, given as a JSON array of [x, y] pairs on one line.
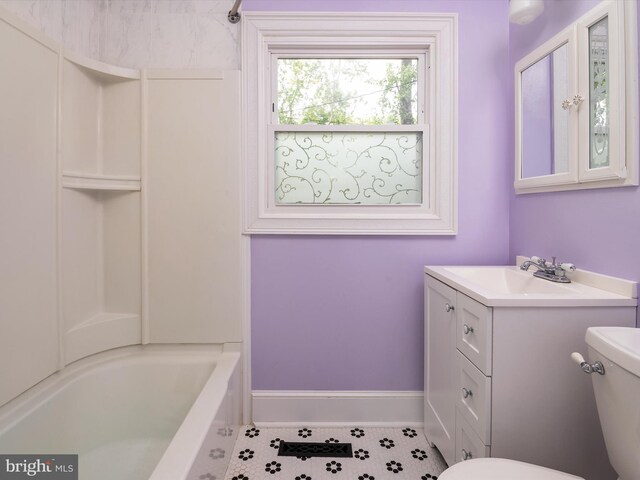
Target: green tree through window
[[347, 91]]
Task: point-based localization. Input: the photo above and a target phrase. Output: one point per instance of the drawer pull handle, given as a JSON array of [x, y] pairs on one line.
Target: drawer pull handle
[[467, 329], [449, 308], [466, 393], [466, 455]]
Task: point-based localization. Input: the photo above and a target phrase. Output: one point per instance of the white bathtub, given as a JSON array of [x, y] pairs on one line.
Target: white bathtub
[[136, 413]]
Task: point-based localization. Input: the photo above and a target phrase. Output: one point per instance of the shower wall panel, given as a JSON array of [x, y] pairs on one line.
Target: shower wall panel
[[28, 210]]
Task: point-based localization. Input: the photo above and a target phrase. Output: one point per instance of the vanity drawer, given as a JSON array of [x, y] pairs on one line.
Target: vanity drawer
[[474, 398], [468, 443], [473, 331]]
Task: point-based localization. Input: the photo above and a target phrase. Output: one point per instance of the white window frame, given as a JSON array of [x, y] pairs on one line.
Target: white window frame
[[268, 34]]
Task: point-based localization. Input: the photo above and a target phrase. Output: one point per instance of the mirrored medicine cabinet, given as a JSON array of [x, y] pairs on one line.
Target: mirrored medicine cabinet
[[577, 105]]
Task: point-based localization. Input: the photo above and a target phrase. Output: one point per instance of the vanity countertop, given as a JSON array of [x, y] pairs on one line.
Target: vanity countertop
[[508, 286]]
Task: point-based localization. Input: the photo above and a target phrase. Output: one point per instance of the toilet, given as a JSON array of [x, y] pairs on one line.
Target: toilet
[[501, 469], [616, 392]]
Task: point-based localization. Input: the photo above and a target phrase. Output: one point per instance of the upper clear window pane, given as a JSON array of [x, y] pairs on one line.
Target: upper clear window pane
[[347, 91]]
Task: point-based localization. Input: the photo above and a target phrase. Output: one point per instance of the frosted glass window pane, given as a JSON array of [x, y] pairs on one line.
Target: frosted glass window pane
[[599, 94], [348, 168], [353, 91]]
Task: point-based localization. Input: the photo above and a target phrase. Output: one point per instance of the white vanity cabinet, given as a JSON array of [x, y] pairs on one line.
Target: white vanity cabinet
[[499, 380], [440, 353]]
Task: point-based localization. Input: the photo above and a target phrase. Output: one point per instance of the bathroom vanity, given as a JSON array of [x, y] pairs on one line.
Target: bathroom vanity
[[499, 380]]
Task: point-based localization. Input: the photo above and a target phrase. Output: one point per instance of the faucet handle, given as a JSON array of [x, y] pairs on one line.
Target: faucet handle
[[538, 260], [568, 267]]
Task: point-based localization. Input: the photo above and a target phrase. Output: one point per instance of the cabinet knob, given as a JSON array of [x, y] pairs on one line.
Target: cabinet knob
[[466, 455], [466, 392], [576, 101], [449, 308], [467, 329]]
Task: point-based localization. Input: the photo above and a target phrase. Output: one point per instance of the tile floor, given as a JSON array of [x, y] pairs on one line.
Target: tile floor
[[378, 454]]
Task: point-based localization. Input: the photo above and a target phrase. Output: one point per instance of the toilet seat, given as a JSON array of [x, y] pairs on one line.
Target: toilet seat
[[502, 469]]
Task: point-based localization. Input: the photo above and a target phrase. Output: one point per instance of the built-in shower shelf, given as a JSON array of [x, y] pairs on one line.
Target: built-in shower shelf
[[83, 181]]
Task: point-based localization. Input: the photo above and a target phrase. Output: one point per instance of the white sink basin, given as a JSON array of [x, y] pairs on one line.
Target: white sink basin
[[509, 280], [510, 286]]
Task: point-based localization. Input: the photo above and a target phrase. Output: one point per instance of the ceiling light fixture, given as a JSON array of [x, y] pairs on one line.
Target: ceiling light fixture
[[524, 11]]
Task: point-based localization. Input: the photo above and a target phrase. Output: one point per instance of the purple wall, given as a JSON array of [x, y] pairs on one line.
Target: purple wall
[[346, 313], [598, 230]]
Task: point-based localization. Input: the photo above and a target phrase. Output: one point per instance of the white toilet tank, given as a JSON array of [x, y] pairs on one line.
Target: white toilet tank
[[618, 394]]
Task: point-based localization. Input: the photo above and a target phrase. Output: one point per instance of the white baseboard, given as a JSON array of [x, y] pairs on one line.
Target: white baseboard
[[279, 408]]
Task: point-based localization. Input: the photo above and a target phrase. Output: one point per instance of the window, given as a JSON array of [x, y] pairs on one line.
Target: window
[[319, 158], [340, 122]]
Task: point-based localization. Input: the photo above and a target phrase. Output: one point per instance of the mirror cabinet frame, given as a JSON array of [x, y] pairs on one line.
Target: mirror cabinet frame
[[622, 79]]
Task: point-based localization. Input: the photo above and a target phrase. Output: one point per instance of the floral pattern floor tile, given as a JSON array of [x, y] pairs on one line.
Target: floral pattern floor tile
[[378, 454]]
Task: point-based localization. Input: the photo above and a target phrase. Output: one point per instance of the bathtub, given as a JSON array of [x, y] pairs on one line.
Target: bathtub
[[135, 413]]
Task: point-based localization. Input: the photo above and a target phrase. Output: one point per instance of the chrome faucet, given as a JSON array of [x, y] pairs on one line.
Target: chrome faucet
[[549, 271]]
